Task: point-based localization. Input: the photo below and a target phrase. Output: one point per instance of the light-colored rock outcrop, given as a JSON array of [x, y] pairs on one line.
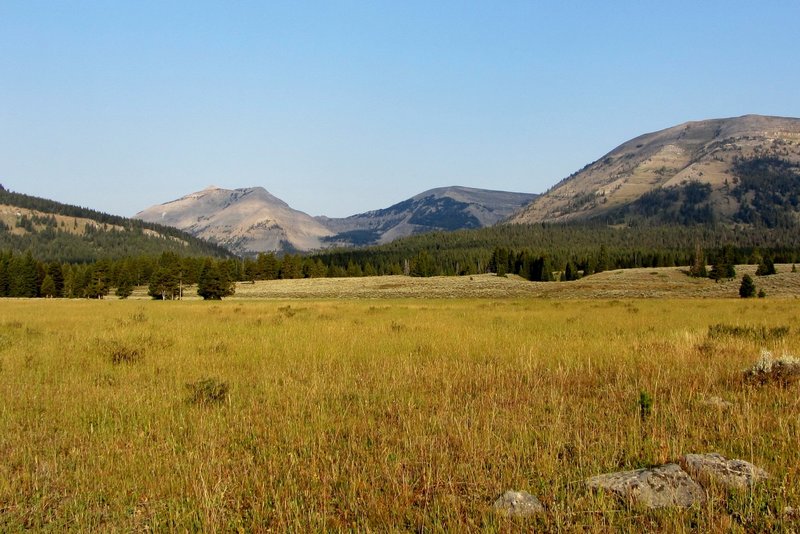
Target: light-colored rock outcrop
[[713, 468], [657, 487]]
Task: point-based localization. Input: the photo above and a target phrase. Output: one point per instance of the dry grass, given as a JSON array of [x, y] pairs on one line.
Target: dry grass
[[380, 415], [665, 282]]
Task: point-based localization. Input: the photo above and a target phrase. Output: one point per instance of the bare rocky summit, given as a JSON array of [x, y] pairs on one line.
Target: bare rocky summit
[[245, 221]]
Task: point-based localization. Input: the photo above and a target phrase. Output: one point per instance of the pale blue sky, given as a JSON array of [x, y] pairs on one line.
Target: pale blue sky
[[343, 107]]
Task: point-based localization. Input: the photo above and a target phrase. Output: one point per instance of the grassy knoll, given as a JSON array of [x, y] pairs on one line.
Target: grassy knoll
[[381, 415]]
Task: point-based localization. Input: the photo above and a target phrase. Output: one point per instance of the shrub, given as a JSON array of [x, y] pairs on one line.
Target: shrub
[[120, 354], [768, 369], [756, 333], [207, 392], [645, 405]]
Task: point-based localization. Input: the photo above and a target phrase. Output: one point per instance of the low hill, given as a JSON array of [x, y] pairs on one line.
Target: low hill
[[53, 231], [736, 170], [445, 208]]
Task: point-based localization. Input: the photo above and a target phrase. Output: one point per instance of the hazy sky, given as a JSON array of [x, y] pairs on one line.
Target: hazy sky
[[344, 107]]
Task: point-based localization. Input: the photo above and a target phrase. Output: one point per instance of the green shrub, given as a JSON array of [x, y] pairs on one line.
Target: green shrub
[[120, 354], [207, 392], [645, 404], [756, 333]]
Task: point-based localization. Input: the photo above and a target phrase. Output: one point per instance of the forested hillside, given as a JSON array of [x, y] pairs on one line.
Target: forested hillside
[[585, 247], [52, 231]]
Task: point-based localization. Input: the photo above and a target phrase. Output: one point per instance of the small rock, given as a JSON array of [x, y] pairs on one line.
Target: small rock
[[518, 503], [658, 487], [717, 402], [714, 468]]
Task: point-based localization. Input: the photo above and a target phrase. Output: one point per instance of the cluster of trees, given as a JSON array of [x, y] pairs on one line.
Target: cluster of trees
[[21, 275], [768, 191], [568, 249], [724, 265]]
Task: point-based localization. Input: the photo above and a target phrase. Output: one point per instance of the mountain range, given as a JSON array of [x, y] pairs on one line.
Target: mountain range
[[735, 170], [742, 171], [251, 220]]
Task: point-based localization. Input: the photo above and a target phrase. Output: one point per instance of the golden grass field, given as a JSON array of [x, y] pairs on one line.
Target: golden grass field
[[387, 414]]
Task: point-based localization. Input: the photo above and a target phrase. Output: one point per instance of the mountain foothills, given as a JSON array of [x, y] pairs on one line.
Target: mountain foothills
[[53, 231], [736, 170], [251, 220]]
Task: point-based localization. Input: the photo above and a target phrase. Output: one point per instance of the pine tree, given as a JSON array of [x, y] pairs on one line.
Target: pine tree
[[214, 283], [164, 284], [23, 276], [602, 260], [291, 267], [766, 267], [55, 271], [48, 289], [698, 263], [748, 287]]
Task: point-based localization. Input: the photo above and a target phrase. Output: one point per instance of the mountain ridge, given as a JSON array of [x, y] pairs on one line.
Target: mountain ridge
[[696, 151], [252, 220]]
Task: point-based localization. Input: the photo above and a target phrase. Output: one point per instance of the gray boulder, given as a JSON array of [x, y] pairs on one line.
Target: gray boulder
[[714, 468], [658, 487], [518, 503]]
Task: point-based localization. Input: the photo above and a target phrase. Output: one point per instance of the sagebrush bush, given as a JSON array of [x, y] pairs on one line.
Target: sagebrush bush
[[768, 369], [120, 354], [207, 392]]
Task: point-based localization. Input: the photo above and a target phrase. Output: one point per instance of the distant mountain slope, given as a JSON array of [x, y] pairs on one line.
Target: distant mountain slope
[[251, 220], [53, 231], [245, 221], [445, 208], [703, 171]]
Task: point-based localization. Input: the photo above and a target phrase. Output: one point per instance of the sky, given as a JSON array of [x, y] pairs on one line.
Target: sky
[[340, 107]]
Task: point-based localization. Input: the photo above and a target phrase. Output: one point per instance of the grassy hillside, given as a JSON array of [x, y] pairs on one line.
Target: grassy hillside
[[710, 153], [256, 416], [60, 232]]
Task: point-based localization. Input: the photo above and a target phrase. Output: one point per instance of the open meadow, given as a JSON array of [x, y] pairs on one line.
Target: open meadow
[[385, 414]]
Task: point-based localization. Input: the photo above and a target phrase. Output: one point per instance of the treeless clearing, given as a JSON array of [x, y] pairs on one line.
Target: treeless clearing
[[664, 282], [392, 414]]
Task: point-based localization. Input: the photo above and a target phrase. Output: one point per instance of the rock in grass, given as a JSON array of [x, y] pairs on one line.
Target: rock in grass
[[714, 468], [658, 487], [518, 503], [717, 403]]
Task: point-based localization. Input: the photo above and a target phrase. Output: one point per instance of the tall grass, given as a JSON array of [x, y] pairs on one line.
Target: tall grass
[[379, 415]]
